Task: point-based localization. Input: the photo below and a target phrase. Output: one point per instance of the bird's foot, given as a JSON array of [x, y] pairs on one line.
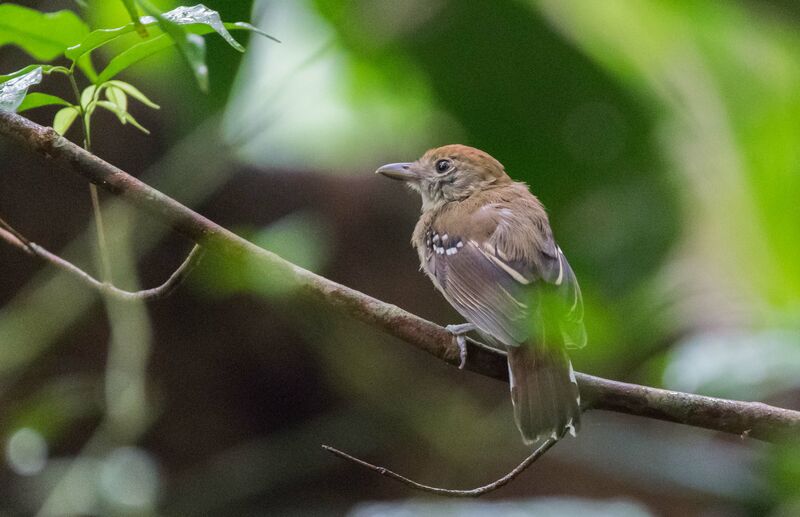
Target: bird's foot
[[458, 331]]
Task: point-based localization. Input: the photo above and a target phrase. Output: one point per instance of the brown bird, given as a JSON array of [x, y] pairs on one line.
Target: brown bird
[[485, 242]]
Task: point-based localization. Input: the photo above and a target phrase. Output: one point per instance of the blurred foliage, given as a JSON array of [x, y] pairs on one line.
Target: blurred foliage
[[300, 238], [731, 140], [540, 506], [754, 365], [661, 136], [314, 103], [783, 472]]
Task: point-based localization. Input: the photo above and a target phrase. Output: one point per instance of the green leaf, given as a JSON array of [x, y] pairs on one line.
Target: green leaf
[[193, 49], [197, 20], [37, 100], [147, 48], [22, 71], [134, 54], [117, 97], [190, 46], [45, 36], [13, 91], [114, 109], [248, 27], [64, 119], [100, 37], [134, 92], [123, 115], [97, 39], [88, 95], [198, 14]]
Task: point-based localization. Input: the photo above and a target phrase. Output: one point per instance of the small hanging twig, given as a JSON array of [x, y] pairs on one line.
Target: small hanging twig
[[16, 239], [475, 492]]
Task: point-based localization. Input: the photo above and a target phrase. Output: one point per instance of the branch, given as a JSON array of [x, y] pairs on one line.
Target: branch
[[16, 239], [474, 492], [741, 418]]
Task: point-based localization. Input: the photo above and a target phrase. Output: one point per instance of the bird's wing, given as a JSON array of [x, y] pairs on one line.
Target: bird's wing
[[569, 303], [500, 294]]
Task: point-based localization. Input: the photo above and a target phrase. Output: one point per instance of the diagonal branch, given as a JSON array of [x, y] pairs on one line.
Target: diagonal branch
[[742, 418], [16, 239]]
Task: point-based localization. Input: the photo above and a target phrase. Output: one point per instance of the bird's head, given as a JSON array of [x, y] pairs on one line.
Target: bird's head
[[448, 173]]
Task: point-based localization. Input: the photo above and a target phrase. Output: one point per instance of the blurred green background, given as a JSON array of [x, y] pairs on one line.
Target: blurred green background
[[661, 135]]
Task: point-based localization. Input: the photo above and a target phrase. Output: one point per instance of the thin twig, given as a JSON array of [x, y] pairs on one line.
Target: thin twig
[[474, 492], [102, 242], [16, 239]]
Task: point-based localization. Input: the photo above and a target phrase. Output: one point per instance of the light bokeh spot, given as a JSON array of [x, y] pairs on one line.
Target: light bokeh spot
[[129, 478], [26, 452]]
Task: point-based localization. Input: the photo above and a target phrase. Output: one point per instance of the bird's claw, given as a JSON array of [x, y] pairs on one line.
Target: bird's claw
[[458, 331]]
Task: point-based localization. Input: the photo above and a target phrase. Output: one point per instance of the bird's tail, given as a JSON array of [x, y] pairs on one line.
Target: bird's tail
[[544, 391]]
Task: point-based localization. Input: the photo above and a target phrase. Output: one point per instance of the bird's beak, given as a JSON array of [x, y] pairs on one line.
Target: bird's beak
[[398, 171]]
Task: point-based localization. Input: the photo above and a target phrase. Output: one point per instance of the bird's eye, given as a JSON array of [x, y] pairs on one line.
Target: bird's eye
[[443, 166]]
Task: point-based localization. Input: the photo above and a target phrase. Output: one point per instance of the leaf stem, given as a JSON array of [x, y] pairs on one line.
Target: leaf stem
[[61, 70], [87, 144], [102, 243]]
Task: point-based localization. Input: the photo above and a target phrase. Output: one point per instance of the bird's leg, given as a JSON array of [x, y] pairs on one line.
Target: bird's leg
[[458, 332], [461, 328]]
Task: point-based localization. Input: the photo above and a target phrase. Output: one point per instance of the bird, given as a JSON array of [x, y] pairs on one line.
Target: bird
[[485, 242]]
